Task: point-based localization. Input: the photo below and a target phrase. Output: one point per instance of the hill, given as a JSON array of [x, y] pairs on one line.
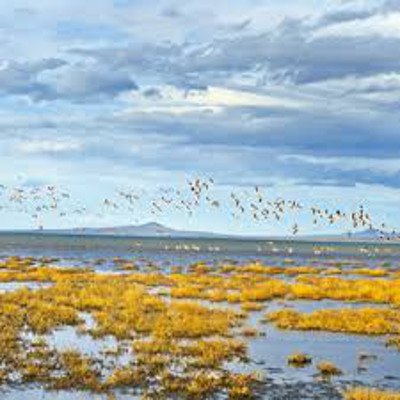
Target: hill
[[150, 229]]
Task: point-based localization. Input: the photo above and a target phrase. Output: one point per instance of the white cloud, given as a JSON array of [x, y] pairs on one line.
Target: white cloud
[[213, 99], [385, 166], [384, 25], [49, 146]]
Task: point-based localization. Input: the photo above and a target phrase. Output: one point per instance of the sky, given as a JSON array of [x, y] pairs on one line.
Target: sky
[[299, 97]]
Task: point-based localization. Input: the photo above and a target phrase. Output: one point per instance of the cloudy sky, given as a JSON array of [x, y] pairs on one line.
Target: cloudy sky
[[300, 97]]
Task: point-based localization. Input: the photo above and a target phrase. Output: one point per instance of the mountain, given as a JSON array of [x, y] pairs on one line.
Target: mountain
[[368, 235], [372, 234], [154, 229], [150, 229]]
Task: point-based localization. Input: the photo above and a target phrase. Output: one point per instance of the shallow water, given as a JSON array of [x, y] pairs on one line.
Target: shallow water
[[341, 349], [84, 250]]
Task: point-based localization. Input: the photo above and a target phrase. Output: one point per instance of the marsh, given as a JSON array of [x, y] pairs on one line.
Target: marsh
[[146, 322]]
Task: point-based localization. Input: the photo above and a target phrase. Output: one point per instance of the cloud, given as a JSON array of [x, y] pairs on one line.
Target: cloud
[[17, 78], [345, 15], [270, 123], [293, 55], [153, 93], [212, 100], [93, 82], [390, 5], [49, 146], [295, 52], [51, 79], [137, 56], [261, 95], [232, 164], [382, 25], [171, 12]]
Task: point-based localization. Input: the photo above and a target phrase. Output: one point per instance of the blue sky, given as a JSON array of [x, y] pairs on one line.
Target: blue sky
[[299, 97]]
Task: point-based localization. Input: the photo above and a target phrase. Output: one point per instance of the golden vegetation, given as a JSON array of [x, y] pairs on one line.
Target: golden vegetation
[[327, 369], [299, 360], [394, 342], [369, 321], [179, 329], [360, 290], [252, 306], [370, 394], [372, 272], [166, 336]]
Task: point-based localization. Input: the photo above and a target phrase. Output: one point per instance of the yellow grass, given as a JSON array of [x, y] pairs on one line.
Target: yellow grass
[[363, 290], [164, 334], [299, 359], [327, 368], [189, 321], [371, 394], [394, 342], [252, 306], [368, 321]]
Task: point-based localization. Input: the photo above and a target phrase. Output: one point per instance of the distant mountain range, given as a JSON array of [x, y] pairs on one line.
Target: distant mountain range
[[154, 229], [371, 234], [365, 235], [150, 229]]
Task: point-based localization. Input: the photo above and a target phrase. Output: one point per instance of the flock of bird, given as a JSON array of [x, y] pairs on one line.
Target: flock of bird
[[38, 201], [242, 204]]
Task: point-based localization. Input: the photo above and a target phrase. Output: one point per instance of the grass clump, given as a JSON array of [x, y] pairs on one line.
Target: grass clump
[[249, 331], [77, 372], [369, 321], [299, 360], [252, 306], [360, 393], [394, 342], [328, 369], [360, 290]]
